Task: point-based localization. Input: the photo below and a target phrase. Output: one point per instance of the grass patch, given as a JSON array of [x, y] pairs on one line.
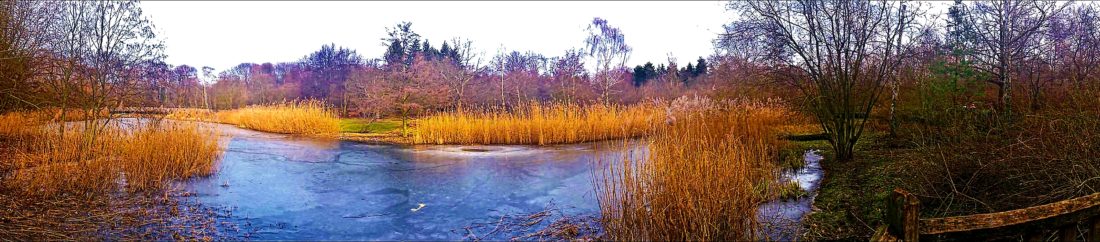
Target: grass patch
[[360, 125], [790, 190], [782, 191], [792, 158]]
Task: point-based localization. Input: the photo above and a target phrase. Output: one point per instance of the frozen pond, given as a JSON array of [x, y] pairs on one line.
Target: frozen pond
[[291, 188], [283, 187]]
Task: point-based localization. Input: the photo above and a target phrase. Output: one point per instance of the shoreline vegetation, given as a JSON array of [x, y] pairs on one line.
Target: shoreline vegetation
[[307, 117], [530, 124], [93, 177], [734, 151], [540, 124], [68, 166]]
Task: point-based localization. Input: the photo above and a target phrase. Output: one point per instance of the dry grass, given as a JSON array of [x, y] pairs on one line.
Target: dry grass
[[299, 117], [46, 162], [696, 182], [193, 114], [168, 151], [154, 216], [57, 184], [539, 124], [14, 122]]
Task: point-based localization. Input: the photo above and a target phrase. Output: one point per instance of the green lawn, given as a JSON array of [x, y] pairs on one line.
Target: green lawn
[[359, 125]]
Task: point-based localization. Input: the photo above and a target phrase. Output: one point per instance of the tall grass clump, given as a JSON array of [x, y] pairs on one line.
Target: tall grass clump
[[540, 124], [135, 157], [15, 122], [167, 151], [696, 181], [295, 117]]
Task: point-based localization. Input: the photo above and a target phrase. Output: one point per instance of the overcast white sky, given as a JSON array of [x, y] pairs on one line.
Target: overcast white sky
[[223, 34]]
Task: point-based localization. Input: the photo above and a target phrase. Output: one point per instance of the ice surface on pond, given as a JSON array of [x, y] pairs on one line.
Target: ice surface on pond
[[300, 188], [284, 187]]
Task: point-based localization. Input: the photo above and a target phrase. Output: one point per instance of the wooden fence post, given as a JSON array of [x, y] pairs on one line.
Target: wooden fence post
[[903, 215], [1068, 233], [1094, 230]]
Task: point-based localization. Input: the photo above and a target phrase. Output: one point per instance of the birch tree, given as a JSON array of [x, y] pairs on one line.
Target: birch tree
[[607, 46]]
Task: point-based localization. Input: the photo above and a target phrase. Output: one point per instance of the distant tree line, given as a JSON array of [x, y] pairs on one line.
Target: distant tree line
[[413, 75]]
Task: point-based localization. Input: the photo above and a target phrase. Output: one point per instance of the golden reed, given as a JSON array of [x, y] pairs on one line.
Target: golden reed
[[697, 179], [539, 124], [296, 117], [51, 158]]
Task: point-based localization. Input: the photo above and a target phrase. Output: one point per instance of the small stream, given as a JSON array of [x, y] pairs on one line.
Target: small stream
[[290, 188], [782, 220]]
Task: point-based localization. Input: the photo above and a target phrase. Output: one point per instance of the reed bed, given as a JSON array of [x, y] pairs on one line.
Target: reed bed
[[539, 124], [137, 157], [699, 177], [14, 122], [58, 183], [193, 114], [296, 117]]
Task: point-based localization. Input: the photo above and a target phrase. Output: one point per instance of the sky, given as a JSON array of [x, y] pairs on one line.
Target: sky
[[223, 34]]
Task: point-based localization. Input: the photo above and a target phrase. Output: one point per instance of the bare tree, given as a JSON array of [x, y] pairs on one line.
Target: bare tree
[[98, 49], [846, 51], [329, 68], [1082, 47], [22, 39], [1004, 32], [500, 68], [459, 72], [567, 71], [607, 45], [208, 78]]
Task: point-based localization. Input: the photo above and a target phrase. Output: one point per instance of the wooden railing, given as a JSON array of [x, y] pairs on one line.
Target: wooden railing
[[1069, 218]]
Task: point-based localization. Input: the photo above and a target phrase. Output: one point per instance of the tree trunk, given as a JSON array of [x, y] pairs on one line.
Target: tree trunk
[[1006, 98], [893, 106]]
